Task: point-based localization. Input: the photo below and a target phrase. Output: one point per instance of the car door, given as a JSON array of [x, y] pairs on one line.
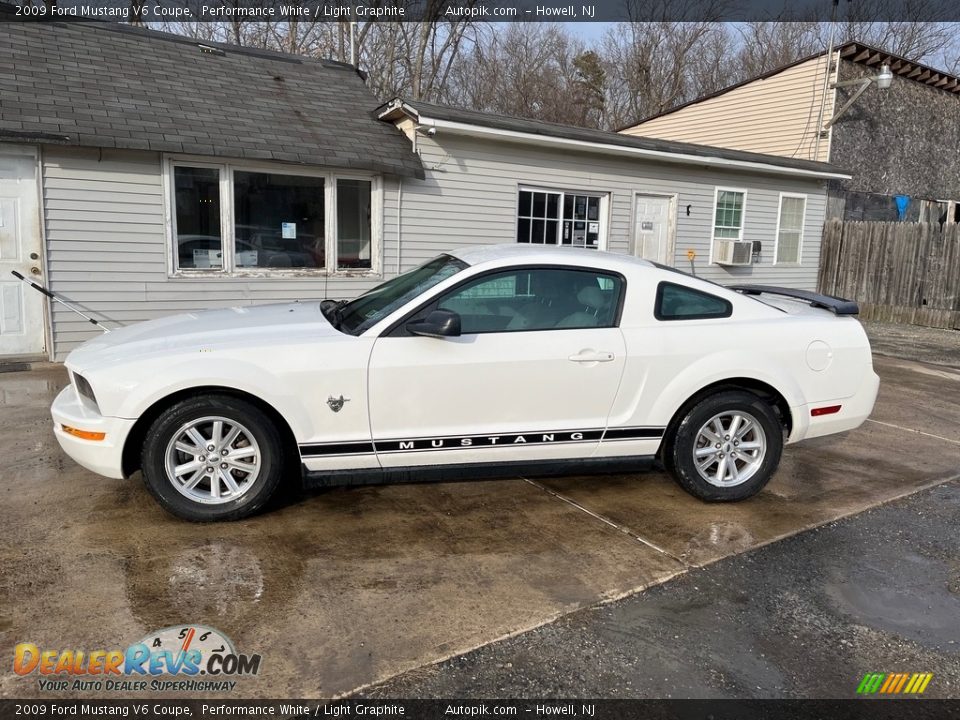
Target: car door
[[532, 375]]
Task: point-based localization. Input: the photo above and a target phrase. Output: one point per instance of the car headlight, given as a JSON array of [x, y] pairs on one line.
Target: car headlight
[[84, 389]]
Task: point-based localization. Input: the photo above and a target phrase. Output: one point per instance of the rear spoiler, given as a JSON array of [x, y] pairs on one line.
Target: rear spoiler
[[838, 306]]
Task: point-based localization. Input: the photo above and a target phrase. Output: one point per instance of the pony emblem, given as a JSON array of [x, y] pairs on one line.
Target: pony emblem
[[336, 404]]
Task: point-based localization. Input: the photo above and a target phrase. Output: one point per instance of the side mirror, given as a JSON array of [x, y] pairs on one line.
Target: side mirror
[[439, 324]]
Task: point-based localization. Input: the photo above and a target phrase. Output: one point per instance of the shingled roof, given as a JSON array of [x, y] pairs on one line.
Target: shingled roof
[[114, 86], [587, 139]]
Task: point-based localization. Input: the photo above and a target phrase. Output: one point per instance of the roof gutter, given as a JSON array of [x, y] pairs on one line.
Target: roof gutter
[[658, 155]]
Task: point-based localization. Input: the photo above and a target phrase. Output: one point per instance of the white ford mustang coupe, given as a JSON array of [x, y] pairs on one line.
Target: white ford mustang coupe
[[490, 361]]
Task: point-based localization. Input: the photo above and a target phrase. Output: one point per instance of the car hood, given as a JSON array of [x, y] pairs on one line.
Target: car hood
[[272, 325]]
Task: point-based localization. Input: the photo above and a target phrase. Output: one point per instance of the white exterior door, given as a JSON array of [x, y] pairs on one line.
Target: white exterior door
[[654, 224], [21, 308]]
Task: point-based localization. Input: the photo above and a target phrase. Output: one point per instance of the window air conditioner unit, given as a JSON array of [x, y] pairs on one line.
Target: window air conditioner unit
[[733, 252]]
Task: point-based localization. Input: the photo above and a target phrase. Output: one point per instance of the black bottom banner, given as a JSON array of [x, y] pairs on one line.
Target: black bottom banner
[[868, 709]]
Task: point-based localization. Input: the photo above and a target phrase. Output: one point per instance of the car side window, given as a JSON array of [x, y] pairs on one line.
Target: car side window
[[536, 299], [679, 302]]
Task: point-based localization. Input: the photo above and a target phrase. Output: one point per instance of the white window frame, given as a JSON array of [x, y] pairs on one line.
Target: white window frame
[[603, 213], [952, 206], [713, 217], [227, 219], [803, 223]]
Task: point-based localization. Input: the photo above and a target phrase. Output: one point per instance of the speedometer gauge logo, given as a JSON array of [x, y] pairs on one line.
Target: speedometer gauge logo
[[186, 638], [190, 650]]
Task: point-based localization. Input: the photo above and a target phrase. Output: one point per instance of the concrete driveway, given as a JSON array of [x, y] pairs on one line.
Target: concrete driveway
[[343, 588]]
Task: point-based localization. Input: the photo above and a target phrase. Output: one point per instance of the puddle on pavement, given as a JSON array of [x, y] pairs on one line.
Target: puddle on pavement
[[919, 606]]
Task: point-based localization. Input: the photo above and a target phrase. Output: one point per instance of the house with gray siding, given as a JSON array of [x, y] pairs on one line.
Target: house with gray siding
[[518, 180], [144, 174]]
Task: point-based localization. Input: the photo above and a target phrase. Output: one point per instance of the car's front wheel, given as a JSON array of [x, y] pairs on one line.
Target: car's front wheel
[[214, 457], [726, 447]]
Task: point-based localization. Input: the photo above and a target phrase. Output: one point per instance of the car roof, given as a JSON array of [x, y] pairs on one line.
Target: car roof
[[514, 253], [518, 252]]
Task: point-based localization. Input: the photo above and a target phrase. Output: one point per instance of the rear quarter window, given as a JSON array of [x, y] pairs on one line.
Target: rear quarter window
[[679, 302]]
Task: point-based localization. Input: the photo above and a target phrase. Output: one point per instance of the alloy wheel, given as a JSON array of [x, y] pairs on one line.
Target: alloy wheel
[[730, 448], [212, 460]]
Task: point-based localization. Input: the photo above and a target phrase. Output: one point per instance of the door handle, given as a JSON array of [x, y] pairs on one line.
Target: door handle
[[591, 356]]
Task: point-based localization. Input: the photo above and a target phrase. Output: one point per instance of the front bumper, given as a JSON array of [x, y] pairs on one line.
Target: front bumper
[[854, 411], [104, 457]]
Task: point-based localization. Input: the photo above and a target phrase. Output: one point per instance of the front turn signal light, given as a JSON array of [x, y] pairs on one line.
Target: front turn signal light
[[83, 434]]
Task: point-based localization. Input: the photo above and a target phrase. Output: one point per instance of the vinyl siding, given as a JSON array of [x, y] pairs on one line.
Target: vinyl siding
[[107, 248], [777, 115], [469, 196]]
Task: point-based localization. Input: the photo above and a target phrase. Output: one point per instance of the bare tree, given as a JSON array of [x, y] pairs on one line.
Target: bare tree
[[765, 46], [655, 66], [674, 51], [414, 59], [535, 70]]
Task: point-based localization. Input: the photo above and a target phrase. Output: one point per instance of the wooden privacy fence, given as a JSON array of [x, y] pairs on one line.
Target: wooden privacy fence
[[897, 272]]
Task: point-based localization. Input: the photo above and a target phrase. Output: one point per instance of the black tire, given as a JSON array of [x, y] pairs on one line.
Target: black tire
[[255, 421], [678, 452]]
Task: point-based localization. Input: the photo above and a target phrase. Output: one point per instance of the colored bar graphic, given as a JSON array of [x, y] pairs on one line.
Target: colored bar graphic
[[894, 683], [889, 682], [870, 683]]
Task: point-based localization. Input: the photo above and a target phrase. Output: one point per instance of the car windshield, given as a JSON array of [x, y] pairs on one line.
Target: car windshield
[[370, 308]]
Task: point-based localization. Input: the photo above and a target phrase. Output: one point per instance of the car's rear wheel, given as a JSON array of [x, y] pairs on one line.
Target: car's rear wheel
[[212, 458], [726, 447]]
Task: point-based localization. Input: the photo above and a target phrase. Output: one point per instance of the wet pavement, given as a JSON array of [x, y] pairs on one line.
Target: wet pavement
[[341, 588]]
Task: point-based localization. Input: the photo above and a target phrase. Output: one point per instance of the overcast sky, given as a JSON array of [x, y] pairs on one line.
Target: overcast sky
[[590, 31]]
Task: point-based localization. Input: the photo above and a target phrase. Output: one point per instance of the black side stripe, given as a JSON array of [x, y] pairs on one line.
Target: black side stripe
[[464, 442], [344, 448], [633, 433]]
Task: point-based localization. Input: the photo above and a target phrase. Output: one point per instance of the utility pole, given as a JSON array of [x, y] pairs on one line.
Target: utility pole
[[826, 81], [353, 39]]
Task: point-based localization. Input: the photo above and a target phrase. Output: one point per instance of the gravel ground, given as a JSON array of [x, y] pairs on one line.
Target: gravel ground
[[912, 342]]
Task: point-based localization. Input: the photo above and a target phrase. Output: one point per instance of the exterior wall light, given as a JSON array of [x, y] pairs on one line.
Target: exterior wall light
[[884, 78], [883, 81]]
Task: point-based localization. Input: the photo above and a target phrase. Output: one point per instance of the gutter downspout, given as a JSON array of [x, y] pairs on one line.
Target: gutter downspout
[[399, 218], [49, 334]]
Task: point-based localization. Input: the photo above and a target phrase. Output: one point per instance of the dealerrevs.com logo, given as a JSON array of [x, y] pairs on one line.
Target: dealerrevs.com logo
[[188, 658]]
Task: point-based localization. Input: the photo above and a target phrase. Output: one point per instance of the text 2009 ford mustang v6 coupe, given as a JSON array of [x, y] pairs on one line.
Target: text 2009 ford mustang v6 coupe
[[482, 362]]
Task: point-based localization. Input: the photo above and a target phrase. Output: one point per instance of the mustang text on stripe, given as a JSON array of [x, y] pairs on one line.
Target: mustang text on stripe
[[463, 442]]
